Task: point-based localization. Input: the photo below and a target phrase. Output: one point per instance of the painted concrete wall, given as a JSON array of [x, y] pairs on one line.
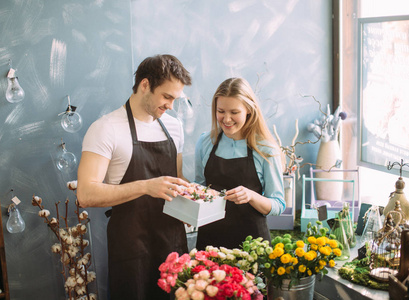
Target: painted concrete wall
[[90, 49]]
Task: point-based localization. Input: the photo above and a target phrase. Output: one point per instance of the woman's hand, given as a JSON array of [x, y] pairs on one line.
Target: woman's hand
[[239, 195]]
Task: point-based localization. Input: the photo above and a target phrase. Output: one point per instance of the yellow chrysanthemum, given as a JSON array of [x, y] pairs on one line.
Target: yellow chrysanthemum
[[331, 263], [300, 244], [322, 262], [337, 251], [280, 271], [325, 250], [272, 270], [309, 256], [321, 267], [302, 268], [321, 241], [317, 269], [272, 256], [312, 240], [295, 261], [289, 269], [309, 272], [286, 258], [333, 243], [279, 245], [299, 252], [313, 253], [314, 247], [278, 252], [326, 240]]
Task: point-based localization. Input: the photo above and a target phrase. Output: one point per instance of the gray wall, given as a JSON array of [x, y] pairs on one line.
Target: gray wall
[[90, 49]]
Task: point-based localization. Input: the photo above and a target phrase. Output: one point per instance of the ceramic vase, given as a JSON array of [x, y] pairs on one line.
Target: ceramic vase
[[328, 154]]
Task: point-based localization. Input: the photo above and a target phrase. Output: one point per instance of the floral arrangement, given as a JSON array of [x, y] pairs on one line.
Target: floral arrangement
[[211, 274], [294, 259], [197, 192], [71, 246]]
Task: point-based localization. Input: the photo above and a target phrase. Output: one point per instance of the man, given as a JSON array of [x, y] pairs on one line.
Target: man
[[131, 160]]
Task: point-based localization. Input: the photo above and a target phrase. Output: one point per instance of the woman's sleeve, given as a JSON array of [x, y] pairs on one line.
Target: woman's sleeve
[[274, 183]]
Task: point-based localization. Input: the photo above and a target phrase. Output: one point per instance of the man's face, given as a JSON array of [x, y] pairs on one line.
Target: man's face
[[162, 98]]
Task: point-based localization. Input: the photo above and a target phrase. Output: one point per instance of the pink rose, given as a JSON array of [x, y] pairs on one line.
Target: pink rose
[[211, 290], [201, 285], [197, 295], [204, 274], [172, 257], [164, 285], [182, 294], [219, 275]]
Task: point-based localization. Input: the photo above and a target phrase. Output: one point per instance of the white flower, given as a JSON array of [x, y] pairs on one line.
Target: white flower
[[204, 274], [91, 276], [44, 213], [193, 252], [197, 295], [225, 250], [191, 288], [72, 185], [211, 290], [230, 257], [36, 200], [53, 221], [83, 215], [92, 296], [70, 282], [72, 251], [222, 255], [219, 275], [65, 259], [255, 268], [56, 248], [80, 290]]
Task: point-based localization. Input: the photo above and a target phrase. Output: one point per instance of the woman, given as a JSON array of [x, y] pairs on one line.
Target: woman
[[239, 155]]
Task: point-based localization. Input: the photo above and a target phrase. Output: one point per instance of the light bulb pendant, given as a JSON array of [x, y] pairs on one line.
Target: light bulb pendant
[[14, 92], [66, 161], [71, 121], [15, 223]]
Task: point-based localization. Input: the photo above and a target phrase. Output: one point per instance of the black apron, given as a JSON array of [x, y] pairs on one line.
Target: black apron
[[140, 235], [241, 220]]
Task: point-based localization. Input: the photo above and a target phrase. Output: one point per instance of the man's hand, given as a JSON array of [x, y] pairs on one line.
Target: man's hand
[[164, 187]]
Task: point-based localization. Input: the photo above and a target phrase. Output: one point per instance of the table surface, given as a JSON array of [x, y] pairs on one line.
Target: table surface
[[332, 286]]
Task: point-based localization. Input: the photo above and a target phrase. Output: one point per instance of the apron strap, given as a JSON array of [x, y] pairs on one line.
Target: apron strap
[[131, 123]]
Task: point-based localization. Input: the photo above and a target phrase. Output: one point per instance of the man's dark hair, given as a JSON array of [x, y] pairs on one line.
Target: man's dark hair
[[159, 68]]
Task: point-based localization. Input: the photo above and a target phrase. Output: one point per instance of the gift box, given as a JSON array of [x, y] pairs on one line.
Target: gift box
[[196, 213]]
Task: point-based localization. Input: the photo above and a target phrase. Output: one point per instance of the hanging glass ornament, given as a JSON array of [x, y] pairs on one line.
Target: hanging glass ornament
[[66, 161], [15, 223], [14, 92], [71, 121]]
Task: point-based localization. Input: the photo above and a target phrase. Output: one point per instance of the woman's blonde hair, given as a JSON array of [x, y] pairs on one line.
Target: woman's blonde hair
[[255, 130]]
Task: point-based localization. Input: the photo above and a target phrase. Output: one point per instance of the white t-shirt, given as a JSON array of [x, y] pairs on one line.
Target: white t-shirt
[[110, 137]]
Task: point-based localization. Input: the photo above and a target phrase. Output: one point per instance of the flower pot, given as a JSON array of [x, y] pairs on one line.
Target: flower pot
[[328, 154], [304, 290]]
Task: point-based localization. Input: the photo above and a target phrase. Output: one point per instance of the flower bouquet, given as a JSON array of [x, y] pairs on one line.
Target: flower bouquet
[[288, 259], [72, 247], [211, 274]]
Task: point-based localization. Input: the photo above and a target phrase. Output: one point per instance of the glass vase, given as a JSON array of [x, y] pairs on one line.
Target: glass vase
[[338, 230]]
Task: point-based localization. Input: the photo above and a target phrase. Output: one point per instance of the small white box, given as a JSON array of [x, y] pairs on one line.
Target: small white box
[[195, 213]]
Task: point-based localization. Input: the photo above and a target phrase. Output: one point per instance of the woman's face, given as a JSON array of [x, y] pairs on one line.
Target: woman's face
[[231, 115]]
